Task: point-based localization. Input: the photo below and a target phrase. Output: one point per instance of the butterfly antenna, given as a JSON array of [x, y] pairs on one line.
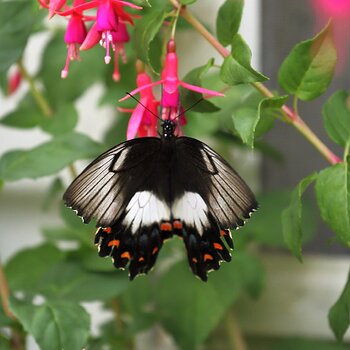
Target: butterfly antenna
[[138, 101], [187, 109]]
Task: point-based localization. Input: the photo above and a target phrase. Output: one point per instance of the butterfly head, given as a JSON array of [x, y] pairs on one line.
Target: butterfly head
[[168, 128]]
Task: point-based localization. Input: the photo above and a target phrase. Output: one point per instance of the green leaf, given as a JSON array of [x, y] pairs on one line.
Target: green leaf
[[62, 122], [48, 158], [68, 280], [27, 267], [17, 19], [190, 317], [54, 324], [55, 189], [306, 344], [292, 218], [146, 30], [308, 69], [246, 120], [187, 2], [5, 321], [136, 302], [265, 225], [5, 343], [228, 20], [332, 192], [68, 234], [339, 314], [189, 97], [26, 115], [236, 68], [336, 117]]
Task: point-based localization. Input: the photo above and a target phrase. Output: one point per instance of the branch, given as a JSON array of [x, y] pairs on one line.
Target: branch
[[5, 294], [291, 115], [37, 94], [234, 332]]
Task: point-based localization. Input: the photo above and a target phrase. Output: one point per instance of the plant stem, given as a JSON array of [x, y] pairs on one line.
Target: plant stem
[[119, 323], [291, 115], [173, 30], [5, 294], [38, 96], [17, 339], [42, 103], [234, 333]]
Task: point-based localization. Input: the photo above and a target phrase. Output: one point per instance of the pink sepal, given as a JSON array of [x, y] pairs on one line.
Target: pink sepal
[[136, 119], [134, 92], [92, 38], [200, 89]]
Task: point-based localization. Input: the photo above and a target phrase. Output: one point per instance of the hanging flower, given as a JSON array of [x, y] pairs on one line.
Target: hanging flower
[[170, 101], [143, 120], [109, 15], [120, 37], [75, 33]]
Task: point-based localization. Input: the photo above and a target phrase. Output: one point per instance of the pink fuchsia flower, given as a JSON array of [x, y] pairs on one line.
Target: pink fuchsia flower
[[14, 81], [143, 120], [75, 33], [120, 37], [170, 92], [118, 40], [339, 12], [109, 15]]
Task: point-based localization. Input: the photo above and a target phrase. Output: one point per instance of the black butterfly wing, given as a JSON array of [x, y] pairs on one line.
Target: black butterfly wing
[[104, 188], [121, 190], [210, 188]]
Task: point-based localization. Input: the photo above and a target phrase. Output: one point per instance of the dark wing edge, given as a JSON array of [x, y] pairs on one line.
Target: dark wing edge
[[93, 194], [230, 199]]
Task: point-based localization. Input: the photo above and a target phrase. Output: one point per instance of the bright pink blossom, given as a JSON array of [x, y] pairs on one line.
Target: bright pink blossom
[[75, 33], [117, 40], [339, 12], [109, 14], [143, 121], [170, 92], [14, 81]]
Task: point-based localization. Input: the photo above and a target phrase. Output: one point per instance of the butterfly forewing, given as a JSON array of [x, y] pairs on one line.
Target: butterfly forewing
[[145, 190]]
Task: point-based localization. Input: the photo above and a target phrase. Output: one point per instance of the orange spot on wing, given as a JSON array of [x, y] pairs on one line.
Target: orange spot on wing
[[107, 229], [177, 224], [166, 226], [194, 260], [208, 257], [223, 233], [155, 249], [218, 246], [114, 242], [141, 258], [126, 255]]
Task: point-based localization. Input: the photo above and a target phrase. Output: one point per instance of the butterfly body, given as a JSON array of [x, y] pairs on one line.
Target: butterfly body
[[145, 190]]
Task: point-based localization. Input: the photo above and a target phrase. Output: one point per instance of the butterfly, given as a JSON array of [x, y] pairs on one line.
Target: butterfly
[[143, 191]]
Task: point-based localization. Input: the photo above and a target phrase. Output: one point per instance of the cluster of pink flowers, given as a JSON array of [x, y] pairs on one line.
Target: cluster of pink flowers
[[109, 28], [144, 123]]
